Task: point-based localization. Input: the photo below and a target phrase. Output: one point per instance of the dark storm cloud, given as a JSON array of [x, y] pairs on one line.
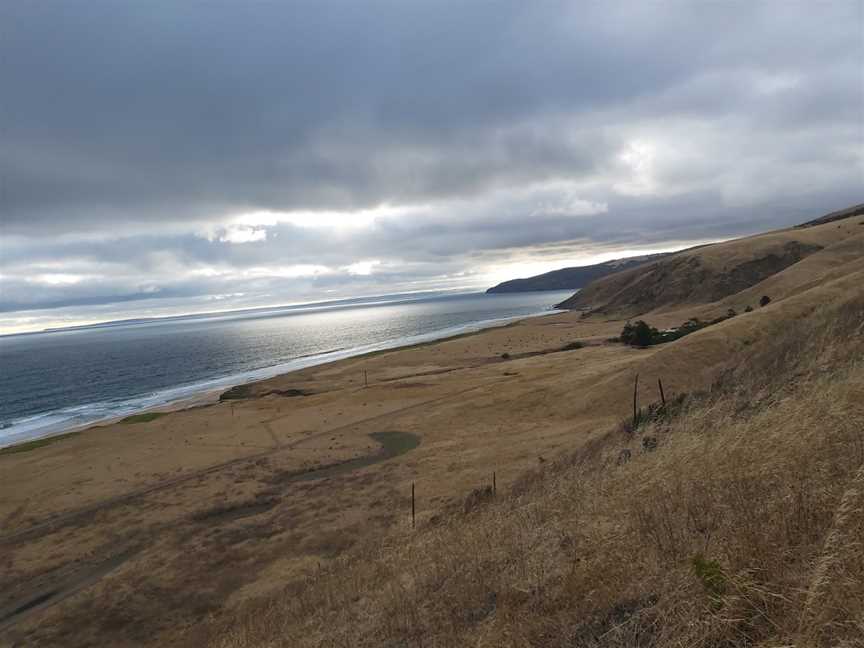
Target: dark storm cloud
[[133, 133], [157, 111]]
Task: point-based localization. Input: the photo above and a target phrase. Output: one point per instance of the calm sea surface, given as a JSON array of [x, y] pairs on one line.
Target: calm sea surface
[[56, 380]]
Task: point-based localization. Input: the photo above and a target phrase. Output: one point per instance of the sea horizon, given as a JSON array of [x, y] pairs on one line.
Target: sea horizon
[[328, 303], [411, 320]]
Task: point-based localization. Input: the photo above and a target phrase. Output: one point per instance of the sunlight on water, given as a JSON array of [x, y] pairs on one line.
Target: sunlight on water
[[54, 381]]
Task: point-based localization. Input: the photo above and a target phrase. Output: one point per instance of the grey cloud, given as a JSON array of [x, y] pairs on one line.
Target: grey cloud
[[131, 129], [157, 112]]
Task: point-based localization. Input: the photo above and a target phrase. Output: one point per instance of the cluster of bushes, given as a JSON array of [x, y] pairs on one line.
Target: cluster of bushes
[[764, 300], [572, 346], [641, 334]]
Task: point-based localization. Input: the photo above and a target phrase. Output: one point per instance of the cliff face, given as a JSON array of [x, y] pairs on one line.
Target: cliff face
[[571, 278]]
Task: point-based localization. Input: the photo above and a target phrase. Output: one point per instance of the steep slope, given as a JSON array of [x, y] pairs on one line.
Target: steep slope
[[714, 272], [733, 520], [572, 278], [834, 261], [732, 517]]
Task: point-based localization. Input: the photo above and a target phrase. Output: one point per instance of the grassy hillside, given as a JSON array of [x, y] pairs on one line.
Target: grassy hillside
[[840, 214], [281, 516], [716, 272], [734, 518]]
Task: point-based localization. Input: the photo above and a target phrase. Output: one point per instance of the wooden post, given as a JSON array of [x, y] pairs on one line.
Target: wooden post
[[494, 485], [662, 395], [412, 505], [635, 410]]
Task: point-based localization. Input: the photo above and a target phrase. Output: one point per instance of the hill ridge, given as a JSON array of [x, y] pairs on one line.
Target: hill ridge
[[716, 272], [572, 278]]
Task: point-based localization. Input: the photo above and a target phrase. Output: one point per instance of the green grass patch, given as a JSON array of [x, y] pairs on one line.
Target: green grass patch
[[396, 443], [36, 443], [710, 574], [238, 392], [572, 346], [146, 417]]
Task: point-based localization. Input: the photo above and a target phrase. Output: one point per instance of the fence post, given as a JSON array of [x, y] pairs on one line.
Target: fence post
[[662, 395], [494, 484], [635, 410], [412, 505]]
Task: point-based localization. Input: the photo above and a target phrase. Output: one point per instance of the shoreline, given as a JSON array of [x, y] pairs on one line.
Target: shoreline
[[260, 489], [207, 392]]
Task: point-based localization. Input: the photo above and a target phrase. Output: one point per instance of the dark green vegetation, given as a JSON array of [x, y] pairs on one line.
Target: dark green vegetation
[[239, 392], [572, 346], [37, 443], [236, 393], [393, 443], [711, 576], [146, 417], [641, 334]]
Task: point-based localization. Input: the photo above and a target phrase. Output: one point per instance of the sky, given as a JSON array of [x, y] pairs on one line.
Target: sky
[[166, 157]]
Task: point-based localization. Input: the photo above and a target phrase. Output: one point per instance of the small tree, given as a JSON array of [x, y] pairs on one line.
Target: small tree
[[765, 300], [749, 309], [639, 333]]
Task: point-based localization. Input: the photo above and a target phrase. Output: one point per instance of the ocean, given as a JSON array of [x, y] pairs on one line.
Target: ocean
[[57, 380]]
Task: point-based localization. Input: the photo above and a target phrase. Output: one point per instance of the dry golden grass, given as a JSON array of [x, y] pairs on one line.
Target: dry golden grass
[[729, 274], [743, 527]]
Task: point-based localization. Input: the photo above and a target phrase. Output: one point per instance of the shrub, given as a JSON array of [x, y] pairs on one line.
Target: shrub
[[238, 392], [477, 498], [765, 300], [572, 346], [749, 309], [146, 417], [710, 574], [639, 333]]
